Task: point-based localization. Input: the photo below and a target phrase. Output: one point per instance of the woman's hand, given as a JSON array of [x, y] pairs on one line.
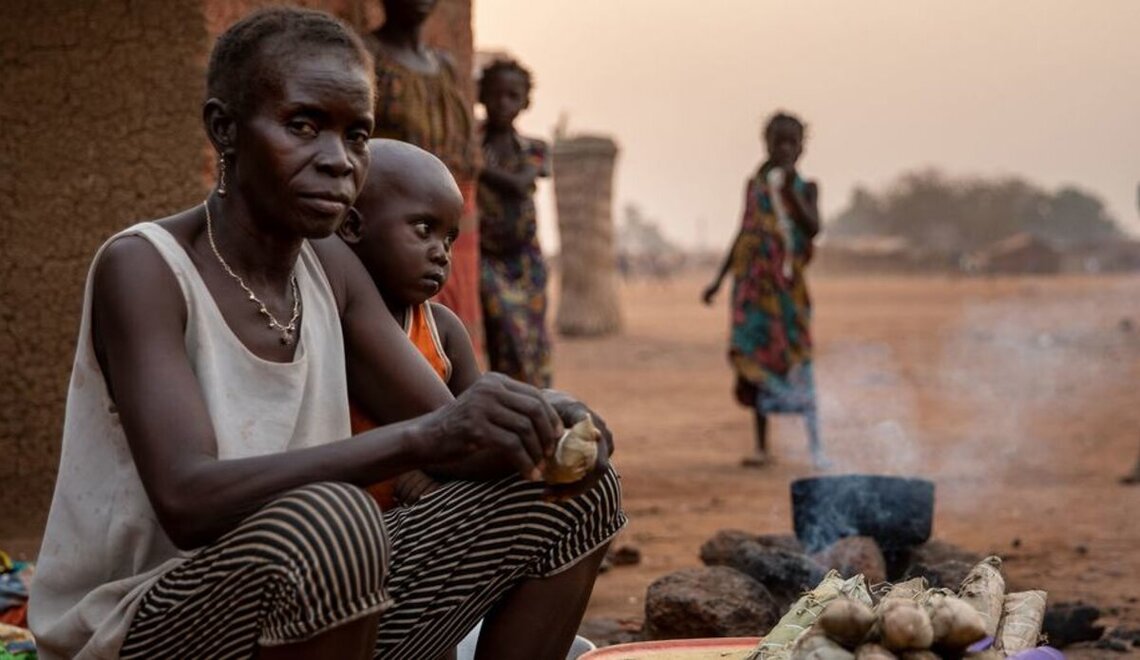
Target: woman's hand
[[571, 412], [499, 415]]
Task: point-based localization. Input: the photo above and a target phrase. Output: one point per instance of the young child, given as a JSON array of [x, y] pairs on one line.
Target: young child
[[512, 281], [402, 227], [770, 345]]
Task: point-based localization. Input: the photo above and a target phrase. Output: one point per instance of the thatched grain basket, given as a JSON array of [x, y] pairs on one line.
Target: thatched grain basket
[[583, 185]]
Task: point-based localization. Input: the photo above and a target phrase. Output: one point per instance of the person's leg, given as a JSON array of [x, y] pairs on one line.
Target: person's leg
[[540, 617], [464, 550], [301, 577], [759, 458], [1134, 476], [815, 445], [748, 395], [353, 640]]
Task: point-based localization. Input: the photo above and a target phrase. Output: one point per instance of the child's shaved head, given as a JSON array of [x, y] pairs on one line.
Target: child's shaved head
[[399, 168], [404, 222]]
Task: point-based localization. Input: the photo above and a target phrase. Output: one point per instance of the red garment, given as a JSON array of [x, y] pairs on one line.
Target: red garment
[[461, 292]]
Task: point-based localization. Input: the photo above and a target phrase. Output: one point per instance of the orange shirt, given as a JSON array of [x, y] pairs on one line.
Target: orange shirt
[[419, 323]]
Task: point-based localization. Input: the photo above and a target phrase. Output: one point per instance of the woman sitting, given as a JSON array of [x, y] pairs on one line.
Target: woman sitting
[[207, 505]]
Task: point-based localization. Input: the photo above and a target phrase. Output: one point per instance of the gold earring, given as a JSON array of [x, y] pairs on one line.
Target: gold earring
[[222, 176]]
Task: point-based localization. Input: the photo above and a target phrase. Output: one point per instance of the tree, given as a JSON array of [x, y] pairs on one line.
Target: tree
[[959, 215]]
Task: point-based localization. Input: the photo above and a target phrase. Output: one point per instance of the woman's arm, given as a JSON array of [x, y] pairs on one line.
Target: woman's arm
[[139, 318]]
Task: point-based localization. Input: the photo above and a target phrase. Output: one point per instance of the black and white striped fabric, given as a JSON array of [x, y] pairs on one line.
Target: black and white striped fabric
[[323, 555]]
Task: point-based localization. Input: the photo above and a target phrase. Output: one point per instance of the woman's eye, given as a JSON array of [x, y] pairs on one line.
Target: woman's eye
[[303, 128]]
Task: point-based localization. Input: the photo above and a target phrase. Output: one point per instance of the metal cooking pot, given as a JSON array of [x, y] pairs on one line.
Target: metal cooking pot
[[895, 511]]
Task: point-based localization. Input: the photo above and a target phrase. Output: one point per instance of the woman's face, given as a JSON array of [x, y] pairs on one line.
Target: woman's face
[[302, 153]]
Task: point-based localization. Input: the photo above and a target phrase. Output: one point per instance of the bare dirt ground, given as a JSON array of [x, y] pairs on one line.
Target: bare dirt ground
[[1016, 396]]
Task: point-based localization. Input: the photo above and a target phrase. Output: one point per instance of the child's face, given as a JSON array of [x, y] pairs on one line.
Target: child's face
[[785, 143], [504, 95], [406, 241]]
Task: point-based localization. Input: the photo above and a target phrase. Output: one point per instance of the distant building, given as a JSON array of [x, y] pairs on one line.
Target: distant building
[[1021, 253]]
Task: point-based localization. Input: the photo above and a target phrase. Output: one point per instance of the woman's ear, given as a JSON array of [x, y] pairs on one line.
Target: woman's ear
[[221, 125], [352, 227]]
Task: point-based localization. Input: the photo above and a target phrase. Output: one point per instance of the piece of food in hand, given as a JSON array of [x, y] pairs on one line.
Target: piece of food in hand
[[984, 590], [846, 621], [904, 625], [575, 454], [815, 646], [873, 652], [956, 625]]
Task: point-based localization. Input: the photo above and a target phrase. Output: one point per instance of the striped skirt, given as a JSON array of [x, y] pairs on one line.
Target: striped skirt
[[323, 555]]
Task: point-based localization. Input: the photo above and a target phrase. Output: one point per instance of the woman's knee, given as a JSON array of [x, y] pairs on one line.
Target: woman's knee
[[328, 529]]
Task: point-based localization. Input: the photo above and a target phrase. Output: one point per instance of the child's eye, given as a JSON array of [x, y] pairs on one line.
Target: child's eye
[[358, 138], [422, 229]]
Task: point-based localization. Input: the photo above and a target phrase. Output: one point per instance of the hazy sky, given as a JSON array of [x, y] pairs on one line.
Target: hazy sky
[[1045, 89]]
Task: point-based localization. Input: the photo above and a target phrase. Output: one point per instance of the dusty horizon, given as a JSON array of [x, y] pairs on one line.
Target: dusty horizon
[[1046, 90]]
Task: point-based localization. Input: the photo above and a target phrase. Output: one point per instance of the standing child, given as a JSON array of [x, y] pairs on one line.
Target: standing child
[[512, 270], [403, 226], [770, 345]]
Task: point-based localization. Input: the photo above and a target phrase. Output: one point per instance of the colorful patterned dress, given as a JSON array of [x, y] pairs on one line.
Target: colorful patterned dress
[[513, 272], [770, 345], [432, 111]]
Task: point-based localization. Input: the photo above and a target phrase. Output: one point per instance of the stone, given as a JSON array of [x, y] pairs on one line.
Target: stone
[[785, 574], [720, 547], [1069, 623], [946, 575], [605, 631], [709, 601], [854, 555], [935, 551], [626, 555]]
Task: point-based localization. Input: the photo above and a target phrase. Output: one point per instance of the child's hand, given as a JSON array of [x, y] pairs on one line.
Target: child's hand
[[710, 293], [790, 174], [412, 485]]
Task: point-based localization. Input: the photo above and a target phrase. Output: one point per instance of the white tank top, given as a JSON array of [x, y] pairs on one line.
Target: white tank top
[[103, 546]]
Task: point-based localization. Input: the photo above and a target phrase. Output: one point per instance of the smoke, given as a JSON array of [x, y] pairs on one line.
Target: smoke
[[981, 397]]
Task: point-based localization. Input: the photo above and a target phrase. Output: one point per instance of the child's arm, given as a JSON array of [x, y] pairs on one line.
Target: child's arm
[[513, 183], [457, 345], [522, 182], [712, 288], [805, 208]]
